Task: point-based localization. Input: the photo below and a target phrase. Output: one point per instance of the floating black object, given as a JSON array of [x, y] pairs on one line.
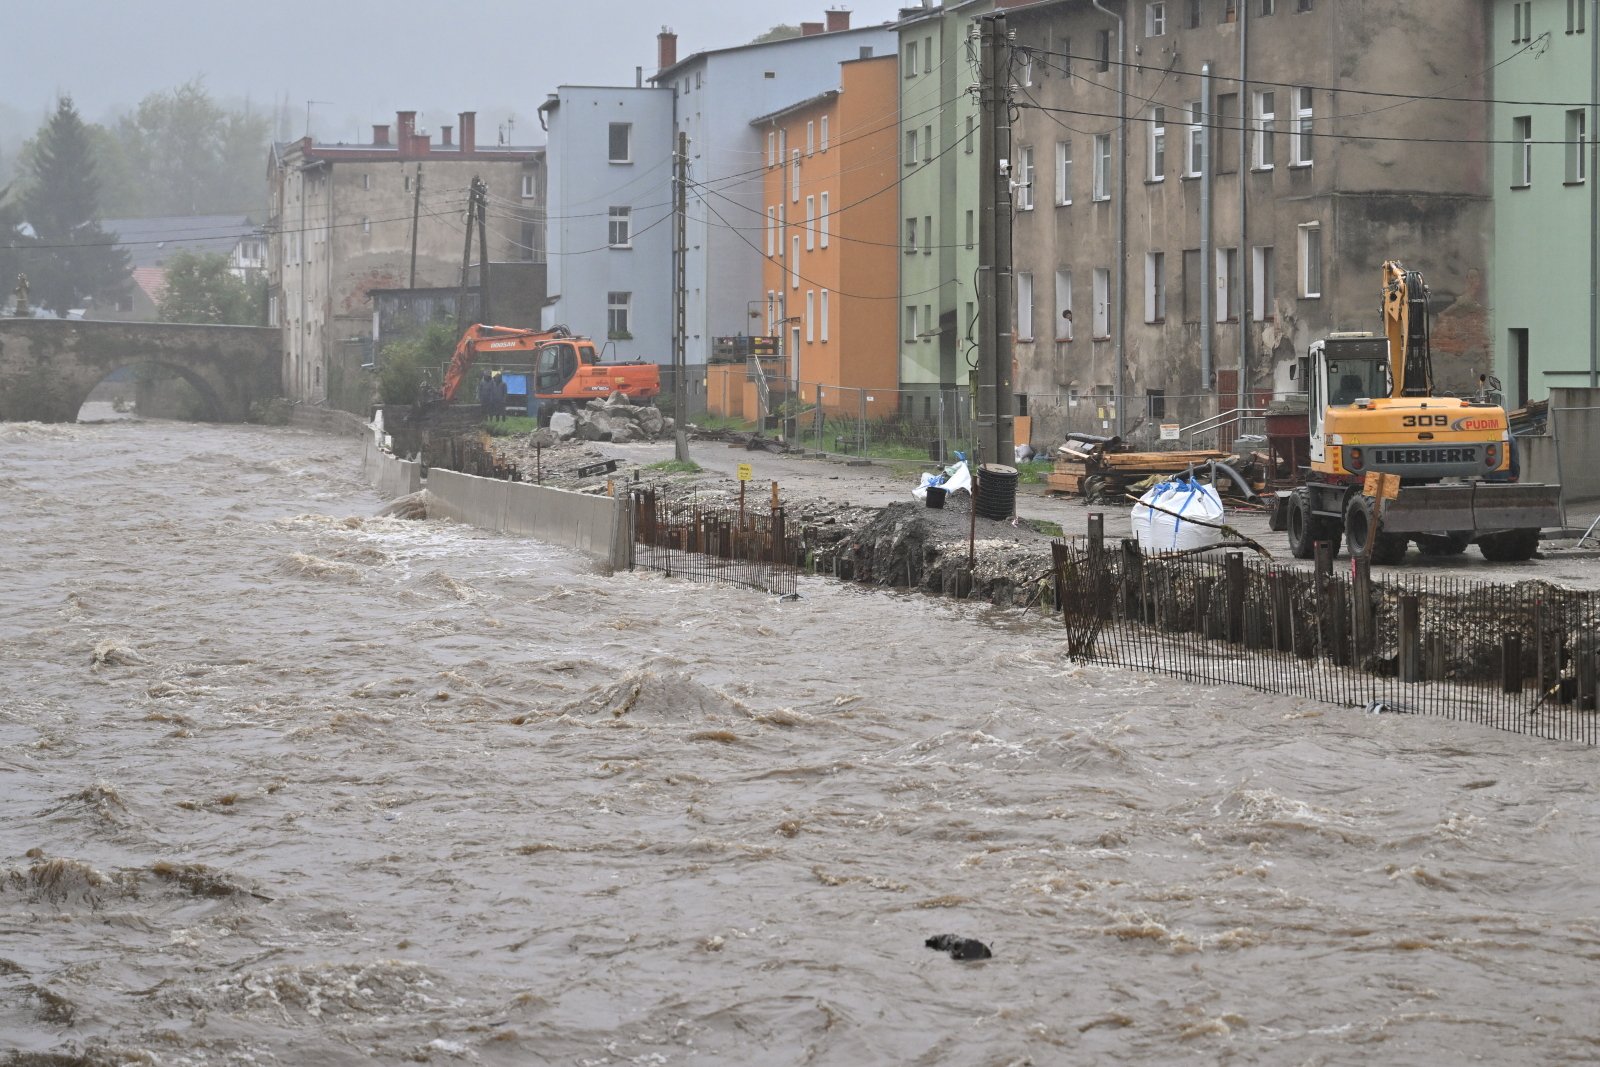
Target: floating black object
[[960, 948]]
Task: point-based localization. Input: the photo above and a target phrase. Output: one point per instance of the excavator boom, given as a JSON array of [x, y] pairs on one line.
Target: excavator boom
[[1405, 321], [479, 337]]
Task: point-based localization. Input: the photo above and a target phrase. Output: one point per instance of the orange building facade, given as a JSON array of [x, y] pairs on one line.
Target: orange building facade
[[830, 268]]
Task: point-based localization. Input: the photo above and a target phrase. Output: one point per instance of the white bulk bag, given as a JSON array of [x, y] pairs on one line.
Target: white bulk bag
[[1157, 531]]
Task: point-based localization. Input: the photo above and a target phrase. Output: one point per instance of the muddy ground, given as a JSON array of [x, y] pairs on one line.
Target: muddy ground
[[870, 528]]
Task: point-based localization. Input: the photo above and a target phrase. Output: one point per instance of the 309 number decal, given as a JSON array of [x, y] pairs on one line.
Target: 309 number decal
[[1424, 420]]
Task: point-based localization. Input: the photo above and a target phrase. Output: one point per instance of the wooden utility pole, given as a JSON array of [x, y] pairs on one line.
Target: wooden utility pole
[[466, 259], [680, 338], [416, 215], [481, 192], [993, 392]]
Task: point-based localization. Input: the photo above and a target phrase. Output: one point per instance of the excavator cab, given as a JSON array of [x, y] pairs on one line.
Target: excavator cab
[[558, 362], [1344, 368]]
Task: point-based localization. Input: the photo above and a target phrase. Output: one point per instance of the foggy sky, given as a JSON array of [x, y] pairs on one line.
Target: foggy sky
[[362, 59]]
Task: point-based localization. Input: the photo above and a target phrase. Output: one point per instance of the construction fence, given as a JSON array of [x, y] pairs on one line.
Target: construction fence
[[1519, 657], [705, 541]]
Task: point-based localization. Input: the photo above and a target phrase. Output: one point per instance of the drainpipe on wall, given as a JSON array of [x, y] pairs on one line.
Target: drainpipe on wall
[[1122, 213], [1246, 264], [1207, 255], [1594, 197]]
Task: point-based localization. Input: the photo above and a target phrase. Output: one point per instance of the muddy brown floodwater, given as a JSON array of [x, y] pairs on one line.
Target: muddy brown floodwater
[[288, 784]]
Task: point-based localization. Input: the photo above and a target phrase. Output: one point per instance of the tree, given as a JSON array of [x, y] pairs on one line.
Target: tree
[[189, 155], [202, 288], [780, 32], [72, 257], [403, 364]]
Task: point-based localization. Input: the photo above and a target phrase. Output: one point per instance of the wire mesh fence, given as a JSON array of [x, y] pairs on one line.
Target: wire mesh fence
[[1517, 657], [706, 542]]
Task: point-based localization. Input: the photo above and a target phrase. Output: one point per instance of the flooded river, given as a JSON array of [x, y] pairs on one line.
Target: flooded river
[[288, 784]]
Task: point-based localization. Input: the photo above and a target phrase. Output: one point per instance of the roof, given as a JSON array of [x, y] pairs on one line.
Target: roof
[[667, 73], [820, 98], [153, 280], [314, 152], [151, 242]]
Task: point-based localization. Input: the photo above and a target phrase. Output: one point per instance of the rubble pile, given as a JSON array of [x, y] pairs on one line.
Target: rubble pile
[[612, 420]]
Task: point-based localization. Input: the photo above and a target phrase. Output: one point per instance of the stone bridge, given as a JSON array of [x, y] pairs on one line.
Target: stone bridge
[[49, 366]]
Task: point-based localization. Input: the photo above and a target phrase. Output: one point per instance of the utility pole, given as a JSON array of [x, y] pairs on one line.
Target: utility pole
[[680, 318], [416, 215], [993, 392], [466, 258], [481, 192]]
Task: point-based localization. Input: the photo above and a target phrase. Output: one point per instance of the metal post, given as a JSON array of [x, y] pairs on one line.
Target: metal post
[[680, 390], [1410, 637], [1511, 662], [1233, 570]]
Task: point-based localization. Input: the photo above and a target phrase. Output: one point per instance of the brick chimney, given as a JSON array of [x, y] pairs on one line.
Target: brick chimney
[[810, 29], [469, 132], [666, 49], [838, 20], [380, 134], [405, 125], [444, 136]]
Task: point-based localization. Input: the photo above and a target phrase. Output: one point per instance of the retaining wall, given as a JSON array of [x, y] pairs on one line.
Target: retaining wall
[[595, 525], [390, 476], [1566, 454]]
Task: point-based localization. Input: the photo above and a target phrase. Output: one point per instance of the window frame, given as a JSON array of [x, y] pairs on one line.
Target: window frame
[[1063, 320], [1025, 176], [1024, 311], [611, 145], [1101, 191], [1156, 146], [1194, 140], [1101, 282], [619, 312], [619, 214], [1155, 18], [1301, 153], [823, 216], [811, 222], [1577, 145], [1064, 173], [1311, 268], [1522, 152], [1263, 126], [1155, 287]]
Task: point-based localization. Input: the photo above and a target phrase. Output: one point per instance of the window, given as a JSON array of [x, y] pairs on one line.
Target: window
[[1025, 179], [1024, 306], [1102, 166], [1300, 131], [927, 55], [1302, 5], [1269, 7], [621, 142], [1155, 287], [927, 235], [1102, 303], [366, 225], [783, 145], [911, 235], [928, 332], [1230, 10], [1576, 152], [910, 66], [811, 322], [1065, 58], [1063, 305], [1522, 152], [1105, 51], [772, 148], [772, 230], [823, 146], [1225, 134], [794, 262], [811, 138], [794, 180], [823, 329], [1196, 141], [1156, 403], [1027, 68], [617, 308], [529, 190], [1193, 285], [1158, 144], [1575, 15], [620, 236], [1194, 14], [1522, 22], [927, 143], [911, 148], [811, 223], [1519, 363], [1227, 284], [366, 181], [971, 138], [1063, 173], [1311, 259], [1264, 295], [823, 224], [972, 227], [1155, 19], [1266, 119]]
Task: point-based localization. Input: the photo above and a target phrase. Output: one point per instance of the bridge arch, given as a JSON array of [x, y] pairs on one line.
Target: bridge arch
[[48, 367]]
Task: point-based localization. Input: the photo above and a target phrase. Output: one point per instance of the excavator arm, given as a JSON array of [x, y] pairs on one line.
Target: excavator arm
[[1405, 321]]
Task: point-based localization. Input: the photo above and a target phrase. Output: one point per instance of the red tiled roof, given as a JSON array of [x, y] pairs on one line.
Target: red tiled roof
[[153, 280]]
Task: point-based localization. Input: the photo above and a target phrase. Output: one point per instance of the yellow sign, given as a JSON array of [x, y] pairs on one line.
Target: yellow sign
[[745, 474], [1377, 484]]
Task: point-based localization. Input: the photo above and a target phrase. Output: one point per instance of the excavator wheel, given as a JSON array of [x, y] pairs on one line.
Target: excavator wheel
[[1512, 546], [1306, 529], [1359, 524], [1442, 544]]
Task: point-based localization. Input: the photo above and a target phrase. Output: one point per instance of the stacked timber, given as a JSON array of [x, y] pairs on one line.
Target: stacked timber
[[1099, 468]]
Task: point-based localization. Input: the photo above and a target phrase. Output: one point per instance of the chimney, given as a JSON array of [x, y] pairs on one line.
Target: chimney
[[469, 132], [444, 136], [380, 135], [838, 20], [405, 124], [666, 49], [810, 29]]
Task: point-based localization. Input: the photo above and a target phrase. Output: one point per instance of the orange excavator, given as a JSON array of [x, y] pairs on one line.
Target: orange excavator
[[566, 368]]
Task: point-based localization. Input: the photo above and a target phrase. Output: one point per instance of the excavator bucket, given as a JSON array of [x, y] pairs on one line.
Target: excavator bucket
[[1477, 507]]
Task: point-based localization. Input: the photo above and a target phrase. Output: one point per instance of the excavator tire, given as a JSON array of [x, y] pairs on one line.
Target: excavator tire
[[1306, 529], [1512, 546], [1442, 544], [1359, 523]]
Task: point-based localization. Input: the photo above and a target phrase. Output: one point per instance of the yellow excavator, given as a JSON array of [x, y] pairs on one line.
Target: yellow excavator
[[1373, 410]]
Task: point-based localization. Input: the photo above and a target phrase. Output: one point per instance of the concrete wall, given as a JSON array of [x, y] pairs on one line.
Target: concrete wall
[[391, 476], [598, 526], [1566, 454]]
